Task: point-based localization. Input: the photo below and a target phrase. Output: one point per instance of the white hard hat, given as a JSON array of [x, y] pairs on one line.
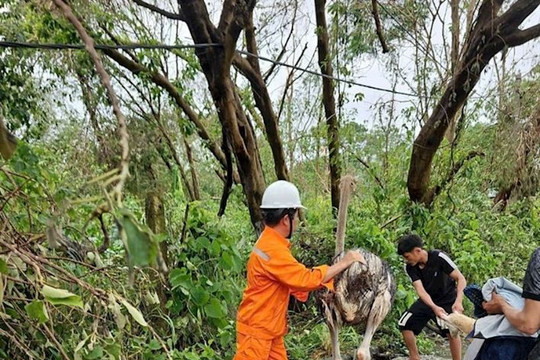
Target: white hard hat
[[281, 195]]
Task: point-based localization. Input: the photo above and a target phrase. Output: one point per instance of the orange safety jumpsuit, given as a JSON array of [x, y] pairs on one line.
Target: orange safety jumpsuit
[[272, 275]]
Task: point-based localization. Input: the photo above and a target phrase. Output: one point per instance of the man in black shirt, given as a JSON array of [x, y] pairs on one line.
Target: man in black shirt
[[439, 285]]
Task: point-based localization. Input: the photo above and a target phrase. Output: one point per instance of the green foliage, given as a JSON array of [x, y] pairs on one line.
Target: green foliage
[[61, 297], [204, 284], [114, 304], [141, 245], [354, 26], [37, 311]]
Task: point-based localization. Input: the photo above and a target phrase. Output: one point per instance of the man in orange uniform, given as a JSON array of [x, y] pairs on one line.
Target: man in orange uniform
[[273, 274]]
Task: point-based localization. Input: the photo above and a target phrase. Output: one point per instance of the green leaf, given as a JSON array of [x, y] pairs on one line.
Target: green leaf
[[214, 309], [141, 247], [96, 353], [200, 243], [226, 261], [3, 266], [115, 308], [114, 349], [37, 311], [215, 248], [135, 313], [61, 297], [154, 345], [200, 296], [180, 278], [191, 356]]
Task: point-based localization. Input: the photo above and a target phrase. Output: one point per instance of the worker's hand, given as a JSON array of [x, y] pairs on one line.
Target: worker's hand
[[353, 256], [494, 306], [440, 312], [457, 307]]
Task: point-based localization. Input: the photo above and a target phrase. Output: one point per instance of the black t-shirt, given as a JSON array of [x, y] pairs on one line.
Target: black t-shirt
[[435, 277], [531, 283]]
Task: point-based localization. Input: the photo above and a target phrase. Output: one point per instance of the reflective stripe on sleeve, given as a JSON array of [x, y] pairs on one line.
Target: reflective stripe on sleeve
[[262, 254]]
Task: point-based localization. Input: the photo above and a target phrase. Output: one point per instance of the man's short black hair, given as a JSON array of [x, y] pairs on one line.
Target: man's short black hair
[[271, 217], [408, 242]]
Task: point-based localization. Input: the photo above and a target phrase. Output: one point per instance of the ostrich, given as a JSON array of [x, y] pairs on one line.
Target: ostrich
[[363, 293]]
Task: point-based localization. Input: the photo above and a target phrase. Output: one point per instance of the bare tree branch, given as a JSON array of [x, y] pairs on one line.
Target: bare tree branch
[[216, 65], [516, 14], [375, 12], [228, 181], [520, 37], [452, 173], [370, 171], [163, 82], [262, 100], [289, 83], [193, 171], [106, 80], [168, 14], [284, 47]]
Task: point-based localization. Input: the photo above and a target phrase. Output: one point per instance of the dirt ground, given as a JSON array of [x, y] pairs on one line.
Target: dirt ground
[[441, 351]]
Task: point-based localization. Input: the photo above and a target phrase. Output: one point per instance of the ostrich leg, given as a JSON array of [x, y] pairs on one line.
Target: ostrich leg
[[333, 326], [379, 309]]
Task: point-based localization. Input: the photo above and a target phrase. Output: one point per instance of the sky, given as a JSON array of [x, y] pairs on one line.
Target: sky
[[373, 69], [370, 69]]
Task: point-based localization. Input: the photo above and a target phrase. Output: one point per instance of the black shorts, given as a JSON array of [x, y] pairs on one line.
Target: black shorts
[[418, 315]]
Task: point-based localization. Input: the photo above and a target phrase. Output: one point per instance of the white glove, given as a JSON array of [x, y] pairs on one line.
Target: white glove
[[441, 323]]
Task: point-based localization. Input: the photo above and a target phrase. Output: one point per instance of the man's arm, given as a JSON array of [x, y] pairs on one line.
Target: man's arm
[[424, 296], [350, 257], [460, 285], [526, 320]]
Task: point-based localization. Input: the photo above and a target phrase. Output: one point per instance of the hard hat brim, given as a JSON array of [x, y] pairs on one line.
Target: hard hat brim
[[283, 207]]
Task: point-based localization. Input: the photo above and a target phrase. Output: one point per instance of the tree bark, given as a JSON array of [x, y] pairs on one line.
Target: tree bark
[[325, 63], [216, 65], [263, 102], [155, 219], [8, 142], [454, 57], [193, 171], [378, 26], [490, 35]]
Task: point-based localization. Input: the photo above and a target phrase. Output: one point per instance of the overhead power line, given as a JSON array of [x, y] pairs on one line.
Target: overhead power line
[[13, 44], [26, 45]]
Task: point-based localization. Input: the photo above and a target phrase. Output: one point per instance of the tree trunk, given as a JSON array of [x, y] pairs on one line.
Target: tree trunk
[[264, 104], [216, 65], [325, 63], [193, 171], [8, 142], [155, 219], [490, 35]]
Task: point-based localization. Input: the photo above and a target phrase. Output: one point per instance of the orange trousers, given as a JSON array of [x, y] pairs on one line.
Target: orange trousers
[[252, 348]]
